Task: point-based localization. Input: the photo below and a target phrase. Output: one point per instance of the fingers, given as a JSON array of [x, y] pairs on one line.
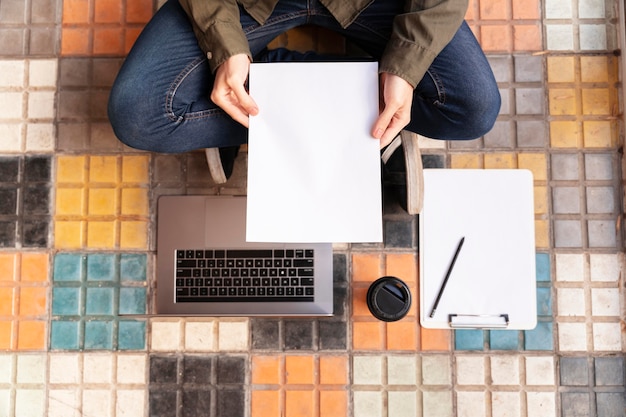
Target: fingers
[[397, 98], [229, 92]]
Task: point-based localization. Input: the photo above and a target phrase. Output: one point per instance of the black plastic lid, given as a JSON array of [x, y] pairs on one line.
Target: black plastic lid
[[389, 299]]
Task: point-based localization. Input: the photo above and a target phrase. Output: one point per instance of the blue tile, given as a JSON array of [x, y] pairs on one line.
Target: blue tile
[[99, 301], [101, 267], [542, 265], [68, 267], [504, 340], [540, 338], [609, 371], [468, 339], [66, 301], [64, 334], [544, 302], [99, 335], [133, 267], [610, 404], [132, 300], [131, 335]]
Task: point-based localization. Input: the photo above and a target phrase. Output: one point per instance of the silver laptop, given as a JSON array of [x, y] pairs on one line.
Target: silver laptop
[[206, 267]]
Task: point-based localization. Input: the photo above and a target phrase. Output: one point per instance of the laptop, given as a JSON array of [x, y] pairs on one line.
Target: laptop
[[206, 267]]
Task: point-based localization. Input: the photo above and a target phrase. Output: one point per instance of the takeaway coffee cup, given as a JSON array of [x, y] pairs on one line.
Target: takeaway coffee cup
[[389, 298]]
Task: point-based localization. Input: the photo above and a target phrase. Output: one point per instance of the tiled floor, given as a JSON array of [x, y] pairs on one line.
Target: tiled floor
[[77, 241]]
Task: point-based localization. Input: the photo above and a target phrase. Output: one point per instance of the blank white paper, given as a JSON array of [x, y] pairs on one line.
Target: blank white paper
[[313, 166]]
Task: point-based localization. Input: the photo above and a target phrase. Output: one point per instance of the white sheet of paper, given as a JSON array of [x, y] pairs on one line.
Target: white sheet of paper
[[313, 167]]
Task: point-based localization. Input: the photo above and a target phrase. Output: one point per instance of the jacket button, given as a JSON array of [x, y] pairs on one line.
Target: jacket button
[[209, 55]]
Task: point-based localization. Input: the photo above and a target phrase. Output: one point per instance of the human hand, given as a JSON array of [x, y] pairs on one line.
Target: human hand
[[396, 100], [229, 92]]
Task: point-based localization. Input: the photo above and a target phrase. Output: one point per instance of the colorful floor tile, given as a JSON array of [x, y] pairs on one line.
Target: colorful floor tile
[[77, 242]]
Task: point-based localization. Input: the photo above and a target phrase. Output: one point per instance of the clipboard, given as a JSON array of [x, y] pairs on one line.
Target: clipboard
[[492, 284]]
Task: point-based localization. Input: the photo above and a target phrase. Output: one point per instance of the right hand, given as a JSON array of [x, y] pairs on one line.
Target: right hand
[[229, 91]]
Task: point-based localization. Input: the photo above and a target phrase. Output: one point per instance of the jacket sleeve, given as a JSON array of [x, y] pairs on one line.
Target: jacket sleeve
[[419, 35], [218, 29]]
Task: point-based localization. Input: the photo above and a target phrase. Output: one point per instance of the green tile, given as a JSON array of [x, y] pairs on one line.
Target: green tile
[[133, 267], [99, 301], [66, 301], [68, 267], [132, 300], [101, 267], [99, 334], [131, 335], [64, 334]]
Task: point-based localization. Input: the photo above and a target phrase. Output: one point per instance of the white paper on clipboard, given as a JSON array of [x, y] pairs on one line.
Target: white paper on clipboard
[[493, 282], [313, 167]]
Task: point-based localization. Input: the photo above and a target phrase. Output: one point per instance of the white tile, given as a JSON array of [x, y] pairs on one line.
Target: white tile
[[470, 370], [605, 302], [63, 403], [570, 301], [64, 369], [367, 370], [558, 9], [591, 9], [570, 267], [607, 337], [401, 370], [41, 105], [12, 73], [402, 403], [96, 403], [11, 103], [593, 37], [233, 335], [11, 137], [6, 364], [605, 267], [505, 404], [98, 368], [31, 369], [505, 370], [471, 404], [540, 370], [131, 369], [560, 37], [572, 336], [29, 402], [200, 336], [130, 403], [437, 404], [42, 73], [368, 404], [5, 402], [541, 404], [166, 335], [436, 370], [40, 137]]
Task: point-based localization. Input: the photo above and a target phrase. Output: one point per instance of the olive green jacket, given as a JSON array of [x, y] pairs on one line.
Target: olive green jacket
[[417, 36]]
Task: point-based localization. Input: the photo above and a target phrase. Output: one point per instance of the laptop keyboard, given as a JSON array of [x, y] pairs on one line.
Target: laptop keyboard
[[248, 275]]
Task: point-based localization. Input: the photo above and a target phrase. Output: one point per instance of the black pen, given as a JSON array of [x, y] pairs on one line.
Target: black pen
[[445, 280]]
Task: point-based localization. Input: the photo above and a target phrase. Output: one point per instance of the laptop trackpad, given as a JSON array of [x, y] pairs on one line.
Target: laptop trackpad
[[225, 222]]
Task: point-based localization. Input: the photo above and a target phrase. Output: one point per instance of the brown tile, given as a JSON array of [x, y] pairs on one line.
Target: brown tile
[[333, 403], [367, 335], [435, 339], [266, 370], [300, 403], [333, 370], [402, 335], [299, 370], [366, 267], [265, 403]]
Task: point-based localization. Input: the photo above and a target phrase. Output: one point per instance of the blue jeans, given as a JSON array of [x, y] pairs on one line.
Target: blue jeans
[[160, 99]]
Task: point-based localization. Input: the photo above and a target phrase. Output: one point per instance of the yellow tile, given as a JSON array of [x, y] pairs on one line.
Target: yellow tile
[[565, 134], [599, 134], [101, 234], [561, 69], [466, 161], [265, 403], [35, 267], [70, 202], [133, 235], [562, 101], [103, 169], [6, 301], [541, 199], [596, 101], [7, 267], [71, 169], [102, 201], [299, 370], [6, 334], [135, 202], [594, 69], [135, 169], [31, 335], [542, 234], [33, 301], [69, 234], [536, 163], [500, 161]]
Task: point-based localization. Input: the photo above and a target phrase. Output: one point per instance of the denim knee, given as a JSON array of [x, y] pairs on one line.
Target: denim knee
[[481, 111]]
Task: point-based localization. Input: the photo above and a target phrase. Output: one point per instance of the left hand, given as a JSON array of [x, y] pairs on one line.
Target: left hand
[[396, 100]]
